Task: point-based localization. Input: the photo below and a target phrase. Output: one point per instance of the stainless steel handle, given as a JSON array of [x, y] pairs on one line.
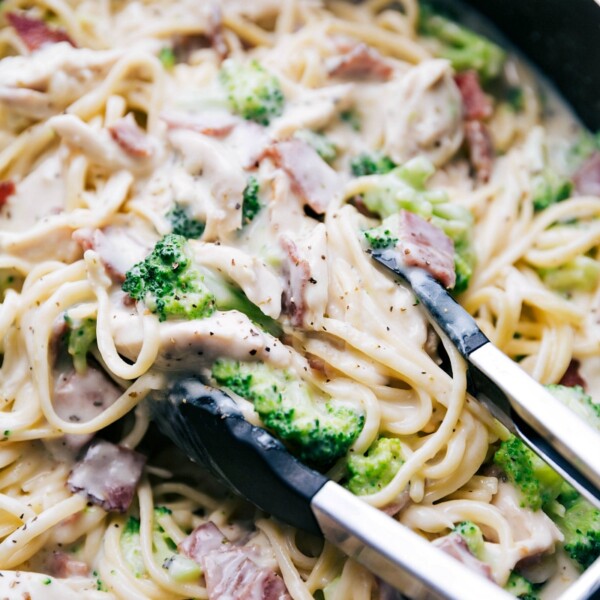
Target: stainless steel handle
[[395, 553], [558, 427]]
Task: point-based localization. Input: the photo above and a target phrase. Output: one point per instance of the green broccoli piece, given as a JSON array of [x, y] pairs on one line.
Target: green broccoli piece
[[520, 587], [251, 204], [317, 432], [471, 533], [539, 484], [581, 527], [81, 337], [515, 98], [130, 547], [578, 401], [380, 237], [548, 188], [168, 284], [252, 92], [370, 473], [374, 163], [164, 550], [352, 118], [183, 224], [167, 58], [404, 188], [464, 48], [580, 274], [324, 147]]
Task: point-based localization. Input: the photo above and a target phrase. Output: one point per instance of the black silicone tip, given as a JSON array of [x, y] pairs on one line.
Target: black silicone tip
[[456, 322], [206, 424]]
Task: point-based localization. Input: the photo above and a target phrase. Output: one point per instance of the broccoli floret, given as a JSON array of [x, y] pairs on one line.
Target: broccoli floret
[[131, 547], [472, 535], [252, 92], [380, 237], [580, 274], [164, 550], [81, 336], [578, 401], [581, 527], [539, 484], [324, 147], [548, 188], [352, 118], [404, 188], [464, 48], [317, 432], [168, 284], [520, 587], [183, 224], [515, 98], [370, 473], [374, 163], [251, 203], [167, 58]]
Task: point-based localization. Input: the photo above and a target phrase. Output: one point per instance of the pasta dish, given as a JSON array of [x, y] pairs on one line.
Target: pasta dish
[[193, 188]]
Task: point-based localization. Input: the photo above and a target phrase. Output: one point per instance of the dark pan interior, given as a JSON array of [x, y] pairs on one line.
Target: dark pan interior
[[562, 37]]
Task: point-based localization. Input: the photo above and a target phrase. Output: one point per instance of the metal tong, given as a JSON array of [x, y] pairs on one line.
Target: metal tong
[[209, 427], [554, 432]]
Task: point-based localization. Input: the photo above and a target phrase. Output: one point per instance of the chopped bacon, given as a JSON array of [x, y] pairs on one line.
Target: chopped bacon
[[297, 270], [456, 546], [204, 539], [230, 574], [481, 149], [211, 123], [230, 570], [572, 376], [426, 246], [131, 137], [587, 178], [7, 189], [312, 178], [108, 474], [360, 62], [35, 33], [64, 565], [476, 104]]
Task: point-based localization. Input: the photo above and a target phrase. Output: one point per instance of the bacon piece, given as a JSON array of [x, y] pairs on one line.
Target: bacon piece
[[231, 574], [213, 123], [456, 546], [131, 137], [108, 474], [229, 570], [204, 539], [119, 248], [297, 271], [587, 178], [35, 33], [360, 62], [481, 149], [572, 376], [312, 178], [65, 565], [7, 189], [426, 246], [476, 104]]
